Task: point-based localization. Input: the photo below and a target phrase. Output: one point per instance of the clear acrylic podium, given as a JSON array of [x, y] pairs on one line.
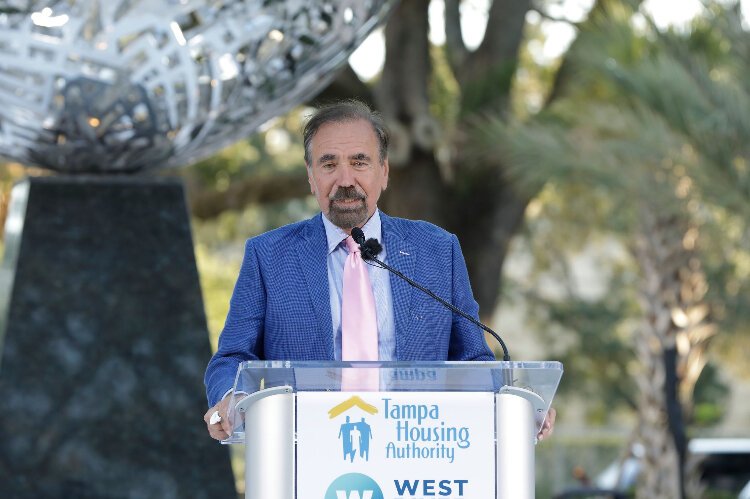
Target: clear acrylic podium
[[265, 414]]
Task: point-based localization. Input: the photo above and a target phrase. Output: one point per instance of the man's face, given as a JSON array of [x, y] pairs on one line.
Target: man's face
[[346, 175]]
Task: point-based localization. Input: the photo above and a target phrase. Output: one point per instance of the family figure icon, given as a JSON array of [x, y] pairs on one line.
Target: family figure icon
[[355, 437]]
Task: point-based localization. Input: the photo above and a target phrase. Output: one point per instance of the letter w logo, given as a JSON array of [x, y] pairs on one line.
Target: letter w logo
[[341, 494]]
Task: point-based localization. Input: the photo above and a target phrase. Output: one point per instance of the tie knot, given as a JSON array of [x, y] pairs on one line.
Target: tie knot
[[351, 246]]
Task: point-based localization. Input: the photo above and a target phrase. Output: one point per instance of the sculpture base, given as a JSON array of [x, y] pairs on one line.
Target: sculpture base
[[103, 345]]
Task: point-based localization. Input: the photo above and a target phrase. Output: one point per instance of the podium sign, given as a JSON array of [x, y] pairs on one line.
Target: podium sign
[[426, 429], [396, 444]]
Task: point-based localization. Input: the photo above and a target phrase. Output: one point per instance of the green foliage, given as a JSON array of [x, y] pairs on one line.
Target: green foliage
[[643, 89], [596, 355], [725, 251], [560, 459], [697, 82], [646, 120], [497, 81], [710, 397], [217, 277], [444, 92], [587, 324], [276, 148], [534, 79], [231, 228], [628, 154]]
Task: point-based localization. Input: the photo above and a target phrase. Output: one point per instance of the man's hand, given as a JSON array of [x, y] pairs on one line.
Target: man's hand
[[222, 429], [548, 426]]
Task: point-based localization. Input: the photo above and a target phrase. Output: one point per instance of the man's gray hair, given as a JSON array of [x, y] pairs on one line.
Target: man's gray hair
[[340, 112]]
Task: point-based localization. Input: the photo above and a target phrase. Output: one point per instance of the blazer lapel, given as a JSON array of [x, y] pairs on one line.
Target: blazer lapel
[[313, 258], [402, 256]]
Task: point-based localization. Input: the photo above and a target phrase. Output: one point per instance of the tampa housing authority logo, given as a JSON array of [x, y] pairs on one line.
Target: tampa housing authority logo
[[355, 436]]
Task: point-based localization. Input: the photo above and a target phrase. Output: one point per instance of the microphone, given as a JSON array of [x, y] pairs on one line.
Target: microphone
[[371, 248]]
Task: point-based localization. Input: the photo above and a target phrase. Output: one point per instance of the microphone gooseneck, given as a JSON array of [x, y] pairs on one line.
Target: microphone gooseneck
[[371, 248]]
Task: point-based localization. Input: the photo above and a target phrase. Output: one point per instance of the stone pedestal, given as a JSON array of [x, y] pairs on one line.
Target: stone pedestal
[[103, 344]]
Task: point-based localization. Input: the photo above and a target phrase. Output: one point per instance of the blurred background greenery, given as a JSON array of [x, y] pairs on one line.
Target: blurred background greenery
[[592, 157]]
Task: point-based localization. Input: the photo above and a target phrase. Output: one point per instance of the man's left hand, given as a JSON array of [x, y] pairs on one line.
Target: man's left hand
[[548, 426]]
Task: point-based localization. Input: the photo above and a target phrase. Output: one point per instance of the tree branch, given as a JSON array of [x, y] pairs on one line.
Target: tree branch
[[454, 42], [566, 72], [346, 85], [537, 6], [263, 189], [402, 90], [487, 75], [502, 44]]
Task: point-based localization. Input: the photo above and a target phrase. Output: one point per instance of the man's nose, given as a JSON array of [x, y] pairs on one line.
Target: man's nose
[[346, 177]]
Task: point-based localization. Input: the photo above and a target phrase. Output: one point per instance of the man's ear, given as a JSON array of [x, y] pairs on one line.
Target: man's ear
[[386, 170], [310, 179]]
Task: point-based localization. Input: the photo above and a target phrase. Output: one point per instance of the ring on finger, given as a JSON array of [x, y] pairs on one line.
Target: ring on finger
[[215, 418]]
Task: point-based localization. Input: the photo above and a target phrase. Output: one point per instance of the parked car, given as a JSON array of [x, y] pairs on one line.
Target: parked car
[[725, 470]]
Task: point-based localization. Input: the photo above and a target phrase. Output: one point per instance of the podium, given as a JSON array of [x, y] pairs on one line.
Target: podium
[[395, 429]]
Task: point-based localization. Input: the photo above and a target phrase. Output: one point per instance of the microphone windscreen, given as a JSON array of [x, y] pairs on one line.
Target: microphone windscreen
[[373, 247]]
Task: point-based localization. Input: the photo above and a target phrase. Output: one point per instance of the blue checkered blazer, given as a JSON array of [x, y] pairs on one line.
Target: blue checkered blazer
[[281, 309]]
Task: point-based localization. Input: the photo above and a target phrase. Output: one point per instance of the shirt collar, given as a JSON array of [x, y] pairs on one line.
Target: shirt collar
[[334, 235]]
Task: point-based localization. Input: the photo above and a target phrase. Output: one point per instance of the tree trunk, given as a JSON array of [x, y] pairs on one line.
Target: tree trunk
[[670, 345], [416, 189], [479, 205]]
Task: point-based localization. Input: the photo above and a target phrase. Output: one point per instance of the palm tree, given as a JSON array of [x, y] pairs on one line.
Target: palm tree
[[657, 122]]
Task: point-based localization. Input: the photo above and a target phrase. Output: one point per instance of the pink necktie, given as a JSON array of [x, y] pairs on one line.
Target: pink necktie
[[359, 331]]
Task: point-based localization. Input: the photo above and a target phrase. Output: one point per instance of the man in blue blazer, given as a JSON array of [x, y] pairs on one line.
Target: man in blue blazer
[[286, 304]]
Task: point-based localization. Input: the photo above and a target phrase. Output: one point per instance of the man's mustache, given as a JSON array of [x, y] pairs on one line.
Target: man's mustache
[[344, 193]]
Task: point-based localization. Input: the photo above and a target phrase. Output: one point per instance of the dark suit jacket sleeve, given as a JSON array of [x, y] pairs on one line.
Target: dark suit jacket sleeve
[[467, 340], [242, 336]]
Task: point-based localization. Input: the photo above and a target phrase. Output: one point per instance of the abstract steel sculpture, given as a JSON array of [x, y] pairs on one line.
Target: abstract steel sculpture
[[114, 86]]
